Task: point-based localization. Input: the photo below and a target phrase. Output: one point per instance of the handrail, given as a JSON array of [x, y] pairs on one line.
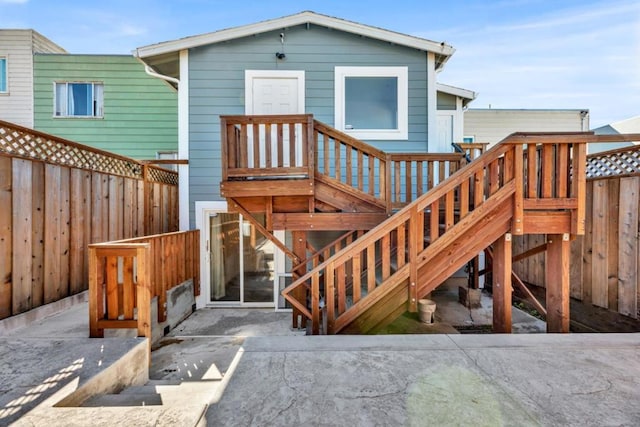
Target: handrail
[[502, 167]]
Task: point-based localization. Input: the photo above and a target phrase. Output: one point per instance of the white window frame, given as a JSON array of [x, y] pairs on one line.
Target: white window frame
[[6, 75], [402, 74], [472, 139], [67, 83]]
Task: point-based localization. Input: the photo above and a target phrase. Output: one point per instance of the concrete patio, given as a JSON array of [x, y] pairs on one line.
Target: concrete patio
[[247, 367]]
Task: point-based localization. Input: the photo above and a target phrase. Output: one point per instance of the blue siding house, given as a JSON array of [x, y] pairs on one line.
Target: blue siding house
[[376, 85]]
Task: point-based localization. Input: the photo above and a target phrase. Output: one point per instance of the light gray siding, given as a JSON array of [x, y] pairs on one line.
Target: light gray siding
[[493, 125], [18, 46], [217, 86]]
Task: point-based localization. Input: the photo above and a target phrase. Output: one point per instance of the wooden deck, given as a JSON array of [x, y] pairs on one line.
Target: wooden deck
[[441, 213]]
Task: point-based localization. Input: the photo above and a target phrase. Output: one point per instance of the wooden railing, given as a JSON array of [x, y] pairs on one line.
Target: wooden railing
[[412, 174], [604, 268], [317, 256], [296, 146], [57, 196], [266, 146], [351, 162], [124, 276], [433, 220]]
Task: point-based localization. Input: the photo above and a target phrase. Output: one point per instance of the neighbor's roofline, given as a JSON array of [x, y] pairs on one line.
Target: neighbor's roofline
[[457, 91], [290, 21]]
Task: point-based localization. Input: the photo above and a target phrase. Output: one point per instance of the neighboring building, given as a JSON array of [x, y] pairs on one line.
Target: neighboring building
[[376, 85], [631, 125], [493, 125], [17, 48], [107, 102]]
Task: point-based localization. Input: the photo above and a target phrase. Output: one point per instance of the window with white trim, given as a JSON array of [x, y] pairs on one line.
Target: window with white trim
[[469, 139], [78, 99], [372, 102], [3, 75]]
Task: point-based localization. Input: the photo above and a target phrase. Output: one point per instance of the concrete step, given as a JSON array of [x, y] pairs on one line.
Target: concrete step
[[186, 392], [110, 400]]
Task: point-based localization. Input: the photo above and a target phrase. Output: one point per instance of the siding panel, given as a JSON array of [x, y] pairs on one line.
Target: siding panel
[[140, 111]]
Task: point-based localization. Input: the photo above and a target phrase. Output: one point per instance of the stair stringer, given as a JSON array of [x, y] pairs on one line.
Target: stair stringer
[[437, 262]]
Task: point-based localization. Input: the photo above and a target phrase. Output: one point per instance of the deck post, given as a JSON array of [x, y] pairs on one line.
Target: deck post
[[557, 282], [299, 249], [502, 285]]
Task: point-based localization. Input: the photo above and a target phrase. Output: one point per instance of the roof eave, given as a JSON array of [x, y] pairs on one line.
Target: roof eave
[[288, 21]]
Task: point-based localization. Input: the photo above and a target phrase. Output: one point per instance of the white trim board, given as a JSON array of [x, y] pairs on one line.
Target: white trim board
[[307, 17]]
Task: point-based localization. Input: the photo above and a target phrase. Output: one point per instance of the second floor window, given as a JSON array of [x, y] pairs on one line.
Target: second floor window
[[78, 99]]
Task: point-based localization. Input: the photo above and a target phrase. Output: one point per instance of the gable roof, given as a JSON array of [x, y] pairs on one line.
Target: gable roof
[[162, 52]]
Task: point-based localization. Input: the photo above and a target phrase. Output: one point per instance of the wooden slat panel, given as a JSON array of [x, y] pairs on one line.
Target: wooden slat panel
[[576, 276], [112, 287], [371, 268], [349, 166], [341, 289], [613, 193], [116, 212], [434, 225], [628, 247], [547, 175], [22, 235], [532, 171], [129, 208], [587, 290], [52, 233], [385, 248], [38, 222], [128, 288], [65, 232], [357, 277], [599, 260], [6, 229]]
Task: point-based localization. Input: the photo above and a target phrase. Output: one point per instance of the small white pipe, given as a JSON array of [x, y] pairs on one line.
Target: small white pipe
[[149, 70]]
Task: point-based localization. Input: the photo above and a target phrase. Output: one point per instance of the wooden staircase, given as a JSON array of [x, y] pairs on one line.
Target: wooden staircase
[[426, 214]]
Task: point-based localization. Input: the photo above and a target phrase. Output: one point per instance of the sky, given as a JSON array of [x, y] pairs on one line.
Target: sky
[[562, 54]]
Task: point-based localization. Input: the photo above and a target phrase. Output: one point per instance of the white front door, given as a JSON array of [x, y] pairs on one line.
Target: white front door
[[445, 133]]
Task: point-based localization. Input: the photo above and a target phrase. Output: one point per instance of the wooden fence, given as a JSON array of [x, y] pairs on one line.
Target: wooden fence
[[605, 261], [57, 197], [124, 276]]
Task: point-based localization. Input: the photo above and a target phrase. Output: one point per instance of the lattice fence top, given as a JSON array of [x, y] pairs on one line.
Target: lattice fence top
[[619, 162], [162, 175], [22, 142]]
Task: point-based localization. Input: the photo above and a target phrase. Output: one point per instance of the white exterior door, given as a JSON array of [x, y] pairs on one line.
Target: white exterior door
[[275, 96], [445, 133], [274, 92]]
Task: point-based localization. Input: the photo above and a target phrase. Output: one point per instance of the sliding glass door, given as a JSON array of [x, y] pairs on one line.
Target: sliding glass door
[[241, 262]]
